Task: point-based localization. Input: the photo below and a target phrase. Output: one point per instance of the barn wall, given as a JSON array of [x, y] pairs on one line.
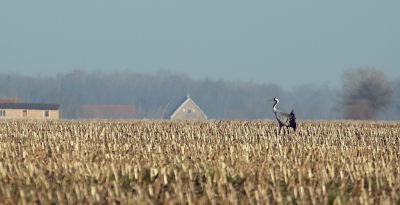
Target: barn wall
[[108, 111]]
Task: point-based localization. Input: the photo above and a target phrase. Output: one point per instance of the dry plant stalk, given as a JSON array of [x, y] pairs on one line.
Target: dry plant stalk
[[198, 162]]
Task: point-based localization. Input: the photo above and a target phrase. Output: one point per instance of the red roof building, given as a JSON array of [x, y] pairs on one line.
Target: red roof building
[[108, 111], [9, 100]]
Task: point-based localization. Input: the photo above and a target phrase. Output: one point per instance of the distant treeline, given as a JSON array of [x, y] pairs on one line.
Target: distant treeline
[[219, 99]]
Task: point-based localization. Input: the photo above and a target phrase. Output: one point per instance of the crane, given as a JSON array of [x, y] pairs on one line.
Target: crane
[[284, 119]]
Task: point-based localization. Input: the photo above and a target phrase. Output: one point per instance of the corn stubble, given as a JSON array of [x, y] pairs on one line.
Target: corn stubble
[[198, 162]]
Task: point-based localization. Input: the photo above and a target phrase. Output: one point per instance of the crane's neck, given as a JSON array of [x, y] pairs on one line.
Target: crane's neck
[[273, 107]]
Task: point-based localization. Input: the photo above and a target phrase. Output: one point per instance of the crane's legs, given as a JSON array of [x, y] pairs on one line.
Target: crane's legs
[[284, 130]]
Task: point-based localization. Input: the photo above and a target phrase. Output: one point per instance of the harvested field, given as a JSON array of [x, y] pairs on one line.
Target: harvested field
[[198, 162]]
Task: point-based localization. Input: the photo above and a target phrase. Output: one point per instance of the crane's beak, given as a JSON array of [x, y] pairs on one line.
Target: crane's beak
[[272, 100]]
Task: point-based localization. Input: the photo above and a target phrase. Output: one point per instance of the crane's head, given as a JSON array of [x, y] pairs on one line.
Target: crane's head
[[274, 99]]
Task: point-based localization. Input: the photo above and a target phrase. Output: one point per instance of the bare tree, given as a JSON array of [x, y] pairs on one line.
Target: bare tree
[[367, 87], [396, 88], [359, 110]]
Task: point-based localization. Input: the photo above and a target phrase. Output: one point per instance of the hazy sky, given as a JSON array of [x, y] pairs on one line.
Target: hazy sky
[[285, 42]]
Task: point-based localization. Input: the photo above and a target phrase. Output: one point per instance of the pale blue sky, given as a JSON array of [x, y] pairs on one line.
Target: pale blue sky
[[285, 42]]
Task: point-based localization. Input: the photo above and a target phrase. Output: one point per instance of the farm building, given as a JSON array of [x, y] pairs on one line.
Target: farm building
[[9, 100], [187, 109], [29, 111], [108, 111]]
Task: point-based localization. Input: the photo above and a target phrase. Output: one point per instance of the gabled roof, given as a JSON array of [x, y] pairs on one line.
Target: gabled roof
[[30, 106], [183, 102]]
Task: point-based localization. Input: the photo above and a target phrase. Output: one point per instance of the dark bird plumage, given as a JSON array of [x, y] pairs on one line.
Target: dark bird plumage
[[284, 119]]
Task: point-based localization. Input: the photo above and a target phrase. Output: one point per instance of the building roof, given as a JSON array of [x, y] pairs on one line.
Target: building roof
[[182, 103], [30, 106]]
